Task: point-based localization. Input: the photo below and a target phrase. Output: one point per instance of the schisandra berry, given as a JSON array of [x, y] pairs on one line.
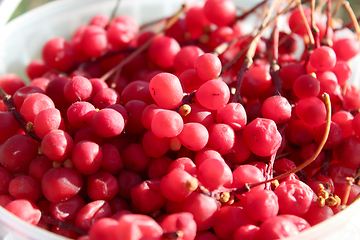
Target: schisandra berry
[[262, 137], [208, 66], [25, 210], [220, 12], [294, 197], [213, 94], [166, 90], [323, 58]]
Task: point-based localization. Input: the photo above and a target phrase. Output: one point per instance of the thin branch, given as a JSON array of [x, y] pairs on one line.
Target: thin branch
[[314, 29], [236, 58], [9, 103], [327, 40], [251, 51], [308, 29], [336, 8], [141, 48], [244, 15], [351, 13], [113, 14], [248, 186], [270, 170], [63, 224], [274, 66]]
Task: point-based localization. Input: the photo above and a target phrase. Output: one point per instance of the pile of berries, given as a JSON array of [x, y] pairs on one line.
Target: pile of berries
[[197, 131]]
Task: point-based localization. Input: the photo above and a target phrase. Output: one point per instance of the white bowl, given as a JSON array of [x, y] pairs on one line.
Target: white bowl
[[20, 42]]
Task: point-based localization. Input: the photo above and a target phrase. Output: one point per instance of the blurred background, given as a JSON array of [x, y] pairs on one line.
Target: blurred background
[[26, 5]]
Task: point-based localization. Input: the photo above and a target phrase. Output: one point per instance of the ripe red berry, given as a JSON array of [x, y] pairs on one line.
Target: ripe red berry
[[262, 137]]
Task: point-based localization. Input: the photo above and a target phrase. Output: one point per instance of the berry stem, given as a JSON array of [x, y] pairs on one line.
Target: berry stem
[[274, 72], [336, 8], [141, 48], [243, 16], [248, 186], [240, 76], [308, 29], [351, 13], [269, 170], [314, 29], [285, 154], [321, 144], [275, 43], [344, 201], [274, 66], [270, 167], [236, 58], [109, 54], [327, 40], [113, 13], [221, 49], [357, 175], [348, 25], [9, 103], [63, 224], [251, 51], [187, 99]]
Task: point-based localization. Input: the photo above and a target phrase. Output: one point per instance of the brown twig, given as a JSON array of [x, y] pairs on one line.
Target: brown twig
[[319, 5], [236, 58], [9, 103], [244, 15], [274, 66], [247, 187], [336, 8], [113, 13], [351, 13], [187, 99], [314, 29], [348, 25], [308, 29], [248, 61], [142, 48], [344, 201], [63, 224], [269, 174], [327, 40]]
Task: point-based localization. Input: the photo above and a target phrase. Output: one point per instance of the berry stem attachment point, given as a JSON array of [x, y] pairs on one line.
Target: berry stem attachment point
[[269, 170], [344, 201], [187, 99]]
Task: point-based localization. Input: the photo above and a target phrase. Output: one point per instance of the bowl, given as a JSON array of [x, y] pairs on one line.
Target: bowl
[[21, 40]]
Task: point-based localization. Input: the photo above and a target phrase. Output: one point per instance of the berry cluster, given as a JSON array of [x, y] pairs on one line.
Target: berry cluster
[[198, 131]]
